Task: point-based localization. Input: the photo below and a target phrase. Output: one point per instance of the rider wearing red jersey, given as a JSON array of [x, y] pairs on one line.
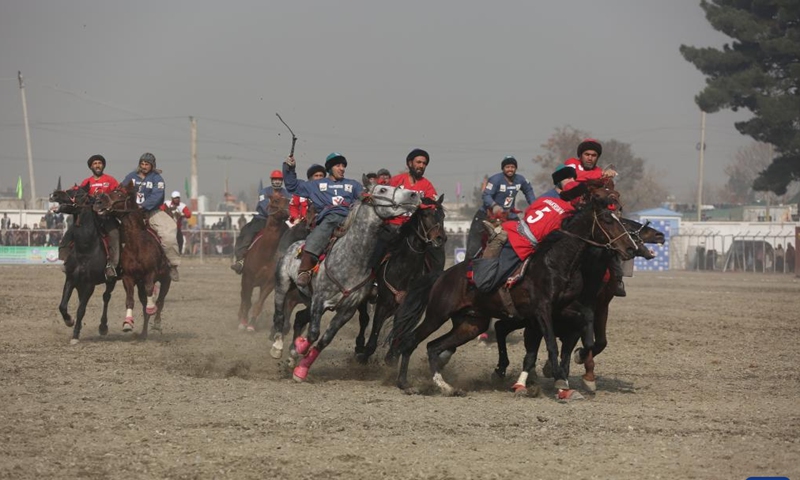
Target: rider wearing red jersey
[[586, 168], [98, 183], [298, 206]]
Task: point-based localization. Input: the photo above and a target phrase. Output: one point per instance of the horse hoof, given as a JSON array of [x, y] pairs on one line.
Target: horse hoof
[[157, 327], [243, 326], [300, 373], [576, 356], [127, 325], [561, 385], [519, 390], [151, 310], [69, 322], [251, 329], [103, 329], [276, 353], [589, 385], [74, 341], [362, 358], [567, 395], [301, 344]]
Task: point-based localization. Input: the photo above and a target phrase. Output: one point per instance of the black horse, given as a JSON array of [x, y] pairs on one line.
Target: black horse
[[543, 289], [406, 260], [86, 264], [589, 310]]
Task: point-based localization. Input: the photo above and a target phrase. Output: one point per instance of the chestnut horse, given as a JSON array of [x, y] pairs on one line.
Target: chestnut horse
[[142, 258], [260, 260]]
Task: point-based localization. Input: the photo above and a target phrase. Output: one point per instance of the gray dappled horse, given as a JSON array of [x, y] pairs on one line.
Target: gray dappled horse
[[344, 276]]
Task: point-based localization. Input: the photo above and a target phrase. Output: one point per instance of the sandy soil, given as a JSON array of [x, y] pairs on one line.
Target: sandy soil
[[699, 381]]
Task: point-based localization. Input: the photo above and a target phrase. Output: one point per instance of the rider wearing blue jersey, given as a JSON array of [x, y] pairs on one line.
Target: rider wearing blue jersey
[[149, 186], [499, 197], [259, 221], [332, 197]]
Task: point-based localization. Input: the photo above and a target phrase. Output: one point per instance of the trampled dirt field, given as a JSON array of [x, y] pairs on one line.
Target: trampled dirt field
[[700, 380]]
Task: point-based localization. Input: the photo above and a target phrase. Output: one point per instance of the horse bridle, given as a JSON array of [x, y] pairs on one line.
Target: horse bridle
[[370, 199], [424, 234], [596, 223]]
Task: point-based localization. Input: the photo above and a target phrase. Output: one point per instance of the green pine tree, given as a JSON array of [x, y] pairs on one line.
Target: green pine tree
[[759, 71]]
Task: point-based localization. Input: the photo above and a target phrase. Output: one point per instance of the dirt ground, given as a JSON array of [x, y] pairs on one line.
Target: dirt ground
[[700, 380]]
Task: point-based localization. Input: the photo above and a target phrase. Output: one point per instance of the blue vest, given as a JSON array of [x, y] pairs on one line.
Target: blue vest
[[150, 189], [326, 194]]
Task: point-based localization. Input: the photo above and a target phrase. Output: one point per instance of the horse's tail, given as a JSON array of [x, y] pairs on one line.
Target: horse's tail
[[410, 311]]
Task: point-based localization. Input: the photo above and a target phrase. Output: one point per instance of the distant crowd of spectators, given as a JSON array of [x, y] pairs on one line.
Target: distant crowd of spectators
[[46, 233]]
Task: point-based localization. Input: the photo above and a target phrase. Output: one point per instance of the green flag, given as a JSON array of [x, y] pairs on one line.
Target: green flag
[[19, 186], [186, 187]]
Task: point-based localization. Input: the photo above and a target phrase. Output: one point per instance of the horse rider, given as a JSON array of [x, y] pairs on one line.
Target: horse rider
[[586, 168], [178, 211], [99, 182], [499, 196], [519, 238], [298, 206], [332, 197], [259, 221], [372, 179], [149, 184], [417, 162], [384, 176]]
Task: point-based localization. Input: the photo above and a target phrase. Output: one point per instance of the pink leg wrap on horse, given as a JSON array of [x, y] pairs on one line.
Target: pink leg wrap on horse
[[301, 370], [301, 344]]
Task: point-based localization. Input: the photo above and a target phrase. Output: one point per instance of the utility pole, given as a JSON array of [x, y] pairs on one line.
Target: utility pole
[[768, 194], [194, 163], [27, 140], [702, 148]]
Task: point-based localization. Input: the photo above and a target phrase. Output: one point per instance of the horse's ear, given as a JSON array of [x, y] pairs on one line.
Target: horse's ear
[[58, 187], [365, 181], [440, 199]]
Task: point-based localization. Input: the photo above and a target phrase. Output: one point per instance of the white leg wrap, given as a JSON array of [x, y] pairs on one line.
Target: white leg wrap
[[443, 386], [151, 302], [523, 378], [129, 312]]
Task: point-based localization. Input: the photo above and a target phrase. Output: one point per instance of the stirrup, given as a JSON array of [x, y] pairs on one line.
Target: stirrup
[[111, 272], [238, 266]]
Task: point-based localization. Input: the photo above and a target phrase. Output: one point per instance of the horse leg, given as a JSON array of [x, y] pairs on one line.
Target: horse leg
[[285, 301], [245, 298], [63, 307], [143, 299], [383, 310], [502, 328], [166, 282], [465, 329], [545, 321], [130, 285], [258, 307], [589, 379], [337, 322], [533, 338], [85, 292], [106, 299], [363, 322]]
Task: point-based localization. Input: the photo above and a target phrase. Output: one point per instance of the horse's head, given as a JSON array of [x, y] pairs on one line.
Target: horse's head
[[608, 229], [278, 207], [390, 202], [643, 234], [120, 200], [429, 222], [69, 200]]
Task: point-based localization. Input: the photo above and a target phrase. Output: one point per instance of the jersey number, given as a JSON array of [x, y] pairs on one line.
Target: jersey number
[[539, 214]]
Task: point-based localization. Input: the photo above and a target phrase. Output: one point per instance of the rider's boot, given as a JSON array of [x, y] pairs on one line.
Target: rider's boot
[[238, 266], [620, 289], [305, 270], [372, 296], [111, 272]]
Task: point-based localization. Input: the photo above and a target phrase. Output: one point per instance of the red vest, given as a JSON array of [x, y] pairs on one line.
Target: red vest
[[594, 174], [543, 216], [104, 184], [422, 186]]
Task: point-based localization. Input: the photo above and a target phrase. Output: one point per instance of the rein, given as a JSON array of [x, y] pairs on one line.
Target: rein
[[595, 223]]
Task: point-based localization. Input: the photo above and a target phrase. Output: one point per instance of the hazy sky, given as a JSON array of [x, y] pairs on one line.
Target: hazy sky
[[468, 81]]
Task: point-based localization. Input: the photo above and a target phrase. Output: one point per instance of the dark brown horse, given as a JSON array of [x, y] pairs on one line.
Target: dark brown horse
[[85, 266], [260, 260], [142, 258], [544, 288], [596, 278]]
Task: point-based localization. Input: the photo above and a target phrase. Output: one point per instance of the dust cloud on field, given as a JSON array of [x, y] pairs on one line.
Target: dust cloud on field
[[699, 381]]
